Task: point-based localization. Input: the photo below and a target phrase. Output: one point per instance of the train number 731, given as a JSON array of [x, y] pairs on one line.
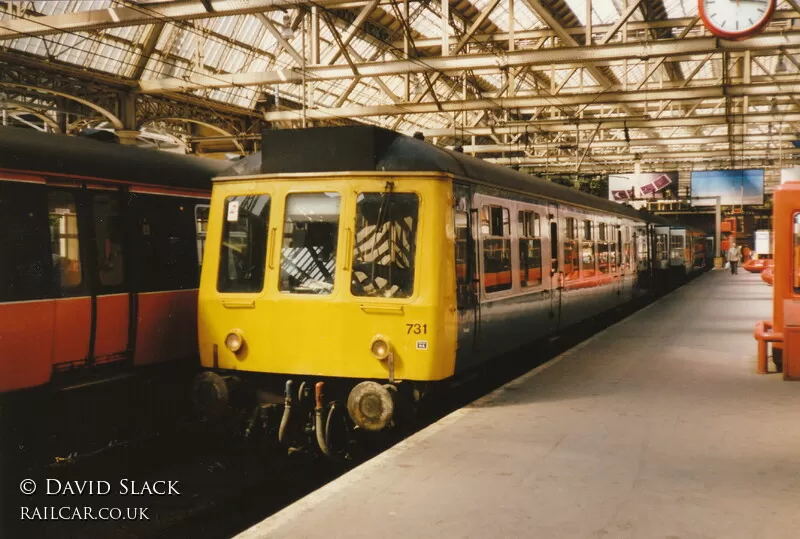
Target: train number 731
[[417, 329]]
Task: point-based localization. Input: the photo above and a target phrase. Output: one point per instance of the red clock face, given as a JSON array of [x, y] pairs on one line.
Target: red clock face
[[736, 19]]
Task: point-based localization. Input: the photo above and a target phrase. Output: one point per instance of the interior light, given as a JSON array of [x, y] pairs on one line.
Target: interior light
[[780, 66], [286, 32]]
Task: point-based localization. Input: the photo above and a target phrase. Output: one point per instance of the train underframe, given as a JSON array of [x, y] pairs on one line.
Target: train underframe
[[322, 415]]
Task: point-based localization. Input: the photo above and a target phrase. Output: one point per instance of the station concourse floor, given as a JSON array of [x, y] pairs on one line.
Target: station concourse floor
[[657, 427]]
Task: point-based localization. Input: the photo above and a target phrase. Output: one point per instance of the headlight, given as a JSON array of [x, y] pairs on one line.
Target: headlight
[[234, 341], [380, 347]]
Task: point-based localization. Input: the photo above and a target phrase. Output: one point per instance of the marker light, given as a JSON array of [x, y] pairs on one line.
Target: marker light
[[234, 341], [380, 348]]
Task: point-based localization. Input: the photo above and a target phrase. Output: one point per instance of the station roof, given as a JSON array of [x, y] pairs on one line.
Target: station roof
[[560, 85]]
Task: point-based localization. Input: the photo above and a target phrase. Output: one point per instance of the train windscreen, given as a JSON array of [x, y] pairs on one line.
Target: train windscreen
[[385, 245]]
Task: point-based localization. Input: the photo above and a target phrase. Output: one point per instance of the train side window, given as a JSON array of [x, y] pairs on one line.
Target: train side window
[[603, 255], [496, 227], [587, 251], [308, 251], [108, 238], [244, 244], [201, 212], [796, 253], [25, 262], [530, 249], [384, 248], [164, 242], [570, 249], [64, 240]]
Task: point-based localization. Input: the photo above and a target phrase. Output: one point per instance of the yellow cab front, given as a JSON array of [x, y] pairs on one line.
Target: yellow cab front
[[328, 275]]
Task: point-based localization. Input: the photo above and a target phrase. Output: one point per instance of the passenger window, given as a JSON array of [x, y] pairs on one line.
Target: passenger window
[[64, 239], [108, 237], [496, 222], [530, 249], [796, 253], [165, 243], [385, 245], [603, 255], [570, 249], [201, 212], [587, 251], [308, 252], [25, 261], [244, 244]]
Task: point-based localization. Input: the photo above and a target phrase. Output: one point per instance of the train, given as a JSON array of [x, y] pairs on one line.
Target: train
[[101, 247], [350, 271]]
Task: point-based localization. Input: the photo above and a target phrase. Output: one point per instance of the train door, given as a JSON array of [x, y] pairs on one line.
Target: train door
[[107, 266], [73, 318], [466, 273], [556, 273]]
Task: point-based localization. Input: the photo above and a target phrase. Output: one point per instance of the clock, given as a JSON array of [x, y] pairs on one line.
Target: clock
[[736, 19]]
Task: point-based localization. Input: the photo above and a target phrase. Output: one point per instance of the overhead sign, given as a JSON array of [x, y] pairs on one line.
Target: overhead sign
[[734, 187], [648, 185]]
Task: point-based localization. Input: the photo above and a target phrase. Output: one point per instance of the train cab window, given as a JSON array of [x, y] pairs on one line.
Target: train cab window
[[496, 231], [603, 255], [25, 260], [64, 242], [587, 251], [308, 250], [530, 249], [570, 249], [201, 212], [244, 244], [676, 246], [108, 237], [385, 245]]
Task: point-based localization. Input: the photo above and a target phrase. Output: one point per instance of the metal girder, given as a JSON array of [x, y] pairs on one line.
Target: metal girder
[[528, 35], [556, 125], [499, 103], [629, 158], [483, 61], [116, 17], [350, 33], [634, 143], [115, 121]]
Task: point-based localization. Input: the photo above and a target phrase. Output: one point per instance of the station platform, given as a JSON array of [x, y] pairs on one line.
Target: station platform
[[657, 427]]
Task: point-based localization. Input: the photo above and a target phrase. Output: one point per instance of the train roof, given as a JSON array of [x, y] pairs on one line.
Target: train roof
[[44, 153], [370, 148]]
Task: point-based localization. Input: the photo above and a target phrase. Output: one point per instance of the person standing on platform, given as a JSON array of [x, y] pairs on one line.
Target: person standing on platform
[[733, 258]]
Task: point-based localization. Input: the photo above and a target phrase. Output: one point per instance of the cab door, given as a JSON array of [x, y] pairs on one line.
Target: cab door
[[466, 274]]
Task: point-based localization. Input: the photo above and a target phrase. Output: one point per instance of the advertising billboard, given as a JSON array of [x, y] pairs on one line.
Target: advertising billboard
[[733, 186], [625, 187]]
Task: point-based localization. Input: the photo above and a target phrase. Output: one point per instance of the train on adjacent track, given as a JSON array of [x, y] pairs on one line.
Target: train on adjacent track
[[99, 270], [351, 270]]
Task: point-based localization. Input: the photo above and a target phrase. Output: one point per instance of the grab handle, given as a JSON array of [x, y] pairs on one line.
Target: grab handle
[[271, 247], [347, 248]]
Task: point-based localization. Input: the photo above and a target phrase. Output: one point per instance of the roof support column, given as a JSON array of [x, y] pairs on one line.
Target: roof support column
[[445, 27], [127, 114]]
